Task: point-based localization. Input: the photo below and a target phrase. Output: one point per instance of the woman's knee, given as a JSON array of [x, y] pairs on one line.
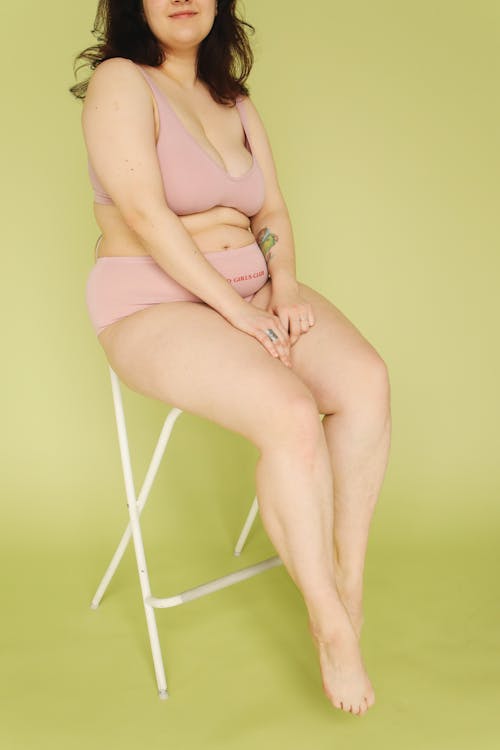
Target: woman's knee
[[370, 385], [288, 417], [376, 378]]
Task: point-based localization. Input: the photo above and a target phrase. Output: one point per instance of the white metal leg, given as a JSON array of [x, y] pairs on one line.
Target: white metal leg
[[246, 527], [137, 537], [135, 507], [141, 502]]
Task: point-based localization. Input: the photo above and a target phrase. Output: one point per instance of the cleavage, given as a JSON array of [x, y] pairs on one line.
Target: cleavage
[[186, 125]]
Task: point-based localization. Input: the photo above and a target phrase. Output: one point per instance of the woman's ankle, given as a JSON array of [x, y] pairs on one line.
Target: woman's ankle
[[328, 618]]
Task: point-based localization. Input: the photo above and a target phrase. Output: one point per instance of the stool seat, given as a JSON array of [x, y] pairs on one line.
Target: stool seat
[[135, 506]]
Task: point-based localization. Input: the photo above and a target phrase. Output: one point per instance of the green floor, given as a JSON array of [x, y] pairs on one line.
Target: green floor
[[241, 669]]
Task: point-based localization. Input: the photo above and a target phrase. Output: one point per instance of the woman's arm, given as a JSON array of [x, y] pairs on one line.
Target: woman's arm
[[273, 232], [118, 124], [271, 226]]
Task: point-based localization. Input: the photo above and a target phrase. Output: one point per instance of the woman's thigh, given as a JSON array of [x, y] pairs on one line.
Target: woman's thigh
[[189, 356], [333, 358]]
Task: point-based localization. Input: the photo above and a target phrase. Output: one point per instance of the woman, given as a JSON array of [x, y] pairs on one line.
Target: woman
[[191, 213]]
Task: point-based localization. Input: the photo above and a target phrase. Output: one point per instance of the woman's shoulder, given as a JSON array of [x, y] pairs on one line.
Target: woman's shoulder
[[117, 80], [114, 70]]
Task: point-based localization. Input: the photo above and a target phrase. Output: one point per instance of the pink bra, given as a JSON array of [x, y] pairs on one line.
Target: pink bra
[[193, 181]]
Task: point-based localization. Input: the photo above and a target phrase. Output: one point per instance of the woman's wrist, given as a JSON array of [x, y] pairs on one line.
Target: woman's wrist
[[282, 278]]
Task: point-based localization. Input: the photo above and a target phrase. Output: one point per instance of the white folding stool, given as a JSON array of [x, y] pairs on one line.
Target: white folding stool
[[135, 506]]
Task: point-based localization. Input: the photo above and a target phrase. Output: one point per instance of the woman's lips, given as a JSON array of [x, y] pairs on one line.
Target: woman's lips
[[183, 15]]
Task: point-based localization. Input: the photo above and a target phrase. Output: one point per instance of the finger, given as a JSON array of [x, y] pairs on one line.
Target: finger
[[304, 321], [282, 343], [296, 327], [283, 348], [283, 320], [311, 316], [282, 332], [267, 343]]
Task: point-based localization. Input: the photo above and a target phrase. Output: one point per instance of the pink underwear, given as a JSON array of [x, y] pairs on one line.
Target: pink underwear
[[120, 285]]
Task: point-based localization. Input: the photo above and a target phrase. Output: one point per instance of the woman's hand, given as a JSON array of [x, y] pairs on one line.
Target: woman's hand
[[295, 314], [250, 319]]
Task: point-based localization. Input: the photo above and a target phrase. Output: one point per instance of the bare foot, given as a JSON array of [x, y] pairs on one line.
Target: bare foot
[[345, 681]]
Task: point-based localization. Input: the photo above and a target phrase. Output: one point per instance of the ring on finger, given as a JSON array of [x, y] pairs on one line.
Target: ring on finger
[[272, 334]]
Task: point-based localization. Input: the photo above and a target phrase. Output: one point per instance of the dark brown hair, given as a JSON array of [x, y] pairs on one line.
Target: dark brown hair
[[122, 31]]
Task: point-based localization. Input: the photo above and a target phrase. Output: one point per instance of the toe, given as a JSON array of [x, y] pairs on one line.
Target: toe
[[370, 699], [361, 709]]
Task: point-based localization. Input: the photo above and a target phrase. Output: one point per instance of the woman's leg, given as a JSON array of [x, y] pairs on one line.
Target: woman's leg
[[186, 354], [350, 384], [359, 451]]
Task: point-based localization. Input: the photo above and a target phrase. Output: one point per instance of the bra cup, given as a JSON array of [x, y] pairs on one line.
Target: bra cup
[[192, 180]]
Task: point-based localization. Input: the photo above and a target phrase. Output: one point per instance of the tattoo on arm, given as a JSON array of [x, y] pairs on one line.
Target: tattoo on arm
[[266, 239]]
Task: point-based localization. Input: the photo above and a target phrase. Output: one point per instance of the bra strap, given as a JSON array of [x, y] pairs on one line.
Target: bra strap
[[242, 111], [243, 116], [148, 78]]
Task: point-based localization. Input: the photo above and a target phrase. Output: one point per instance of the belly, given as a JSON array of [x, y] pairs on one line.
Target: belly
[[214, 231], [222, 237]]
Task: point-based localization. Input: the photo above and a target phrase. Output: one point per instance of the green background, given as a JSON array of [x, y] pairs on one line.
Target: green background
[[384, 122]]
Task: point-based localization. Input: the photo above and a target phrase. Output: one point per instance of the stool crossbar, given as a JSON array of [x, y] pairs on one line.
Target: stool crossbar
[[135, 506]]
